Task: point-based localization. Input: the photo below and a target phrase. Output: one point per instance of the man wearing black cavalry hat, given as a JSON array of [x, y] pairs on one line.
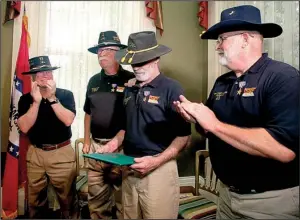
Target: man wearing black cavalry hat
[[251, 119], [46, 115], [103, 117], [154, 132]]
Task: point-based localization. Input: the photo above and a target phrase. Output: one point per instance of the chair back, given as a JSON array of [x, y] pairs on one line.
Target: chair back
[[209, 182]]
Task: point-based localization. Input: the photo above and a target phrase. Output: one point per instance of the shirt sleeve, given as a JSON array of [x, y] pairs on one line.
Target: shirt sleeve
[[23, 106], [68, 101], [86, 107], [281, 107], [123, 113], [182, 127]]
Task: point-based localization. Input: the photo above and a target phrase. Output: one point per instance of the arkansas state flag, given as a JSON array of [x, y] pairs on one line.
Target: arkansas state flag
[[21, 84]]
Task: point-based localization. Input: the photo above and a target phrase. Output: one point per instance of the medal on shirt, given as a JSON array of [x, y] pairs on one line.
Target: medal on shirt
[[241, 86], [146, 93], [113, 86]]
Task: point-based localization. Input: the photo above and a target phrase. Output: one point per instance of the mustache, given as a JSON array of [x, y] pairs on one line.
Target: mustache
[[43, 87], [103, 58], [136, 72]]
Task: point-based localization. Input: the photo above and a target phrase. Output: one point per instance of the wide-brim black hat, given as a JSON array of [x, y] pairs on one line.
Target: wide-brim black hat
[[245, 17], [40, 64], [106, 39], [142, 47]]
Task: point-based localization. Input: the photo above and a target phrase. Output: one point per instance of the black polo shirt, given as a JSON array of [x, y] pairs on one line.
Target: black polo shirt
[[48, 129], [266, 96], [104, 102], [152, 122]]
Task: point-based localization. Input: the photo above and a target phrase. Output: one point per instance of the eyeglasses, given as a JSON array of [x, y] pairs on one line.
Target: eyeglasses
[[221, 39], [107, 49]]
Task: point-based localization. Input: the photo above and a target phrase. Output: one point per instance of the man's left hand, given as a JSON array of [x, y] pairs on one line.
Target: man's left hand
[[145, 164], [51, 89]]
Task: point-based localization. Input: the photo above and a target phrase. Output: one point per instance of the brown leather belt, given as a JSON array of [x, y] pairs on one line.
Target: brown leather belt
[[48, 147], [101, 141]]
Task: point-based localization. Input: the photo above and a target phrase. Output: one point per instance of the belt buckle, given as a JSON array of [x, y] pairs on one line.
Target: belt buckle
[[233, 189], [236, 190], [55, 146], [47, 146]]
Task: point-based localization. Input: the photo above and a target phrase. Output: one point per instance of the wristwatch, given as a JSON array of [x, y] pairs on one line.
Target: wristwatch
[[54, 101]]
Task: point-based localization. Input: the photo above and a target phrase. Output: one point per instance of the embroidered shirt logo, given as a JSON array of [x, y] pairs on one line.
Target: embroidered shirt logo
[[95, 89], [126, 100], [218, 95]]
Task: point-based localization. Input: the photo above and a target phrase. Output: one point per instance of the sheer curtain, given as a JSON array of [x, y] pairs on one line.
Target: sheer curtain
[[64, 31], [283, 48]]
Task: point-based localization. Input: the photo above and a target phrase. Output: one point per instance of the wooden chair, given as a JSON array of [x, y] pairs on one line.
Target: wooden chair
[[81, 180], [201, 201], [209, 184]]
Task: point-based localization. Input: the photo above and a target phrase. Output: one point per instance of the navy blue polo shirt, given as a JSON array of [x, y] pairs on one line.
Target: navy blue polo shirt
[[104, 102], [152, 122], [48, 129], [266, 96]]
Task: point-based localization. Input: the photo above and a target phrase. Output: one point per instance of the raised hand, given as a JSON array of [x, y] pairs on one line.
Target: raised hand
[[35, 93]]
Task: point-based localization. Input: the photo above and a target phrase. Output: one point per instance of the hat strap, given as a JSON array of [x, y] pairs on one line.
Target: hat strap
[[133, 52], [38, 67]]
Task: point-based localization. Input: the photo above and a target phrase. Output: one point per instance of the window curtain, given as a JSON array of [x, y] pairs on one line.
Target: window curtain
[[65, 30], [283, 48]]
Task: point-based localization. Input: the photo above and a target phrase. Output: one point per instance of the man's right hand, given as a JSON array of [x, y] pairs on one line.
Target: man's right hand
[[86, 147], [35, 93]]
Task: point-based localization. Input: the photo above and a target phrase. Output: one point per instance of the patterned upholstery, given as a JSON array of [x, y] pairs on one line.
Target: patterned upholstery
[[200, 202], [196, 207]]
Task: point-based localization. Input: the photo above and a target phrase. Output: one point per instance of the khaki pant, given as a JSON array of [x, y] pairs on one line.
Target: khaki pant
[[102, 194], [57, 167], [277, 204], [154, 196]]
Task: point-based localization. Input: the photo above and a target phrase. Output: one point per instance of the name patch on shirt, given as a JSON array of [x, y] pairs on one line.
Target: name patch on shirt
[[218, 95], [249, 92], [120, 89], [153, 99]]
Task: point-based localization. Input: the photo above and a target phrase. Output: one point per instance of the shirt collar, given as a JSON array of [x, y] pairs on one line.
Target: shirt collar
[[154, 83], [255, 68], [105, 76], [258, 64]]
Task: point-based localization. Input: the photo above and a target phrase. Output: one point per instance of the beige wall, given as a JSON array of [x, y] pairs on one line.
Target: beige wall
[[6, 55], [187, 63]]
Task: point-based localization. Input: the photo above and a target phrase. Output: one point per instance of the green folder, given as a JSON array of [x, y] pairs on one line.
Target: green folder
[[114, 158]]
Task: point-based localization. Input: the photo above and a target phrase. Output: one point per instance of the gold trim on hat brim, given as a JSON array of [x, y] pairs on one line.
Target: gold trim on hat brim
[[141, 57]]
